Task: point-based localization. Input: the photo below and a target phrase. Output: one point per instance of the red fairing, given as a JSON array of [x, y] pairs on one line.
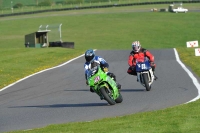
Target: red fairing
[[132, 58]]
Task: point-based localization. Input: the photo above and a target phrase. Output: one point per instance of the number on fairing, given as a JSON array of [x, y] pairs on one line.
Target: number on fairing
[[142, 66], [96, 79]]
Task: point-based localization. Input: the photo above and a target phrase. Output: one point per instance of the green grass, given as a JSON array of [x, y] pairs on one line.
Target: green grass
[[7, 3], [187, 56], [111, 28], [30, 5]]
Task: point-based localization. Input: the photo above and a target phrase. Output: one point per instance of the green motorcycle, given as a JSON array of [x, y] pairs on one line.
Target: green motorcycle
[[104, 85]]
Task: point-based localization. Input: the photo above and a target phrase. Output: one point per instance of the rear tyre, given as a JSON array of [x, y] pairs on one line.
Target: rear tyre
[[107, 96], [119, 99], [146, 82]]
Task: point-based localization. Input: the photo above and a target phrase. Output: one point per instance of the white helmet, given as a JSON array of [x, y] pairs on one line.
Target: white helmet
[[136, 46]]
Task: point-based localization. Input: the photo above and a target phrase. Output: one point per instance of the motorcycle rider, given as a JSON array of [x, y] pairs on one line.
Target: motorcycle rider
[[91, 59], [137, 52]]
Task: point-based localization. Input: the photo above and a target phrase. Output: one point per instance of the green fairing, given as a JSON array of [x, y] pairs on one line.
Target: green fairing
[[100, 79]]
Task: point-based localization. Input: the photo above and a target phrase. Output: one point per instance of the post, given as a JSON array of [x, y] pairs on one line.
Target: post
[[47, 27], [60, 32], [11, 6]]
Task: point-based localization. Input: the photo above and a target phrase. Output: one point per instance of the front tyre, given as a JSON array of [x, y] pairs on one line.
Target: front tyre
[[107, 96], [146, 81], [119, 99]]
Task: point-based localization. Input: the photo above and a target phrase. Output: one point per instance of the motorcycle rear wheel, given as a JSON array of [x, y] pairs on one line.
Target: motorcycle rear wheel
[[146, 82], [107, 96]]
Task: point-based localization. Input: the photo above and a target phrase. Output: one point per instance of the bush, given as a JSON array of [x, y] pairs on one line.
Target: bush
[[60, 2], [18, 5], [45, 3], [72, 2], [97, 1]]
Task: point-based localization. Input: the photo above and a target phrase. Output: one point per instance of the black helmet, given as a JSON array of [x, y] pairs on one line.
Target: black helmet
[[89, 55]]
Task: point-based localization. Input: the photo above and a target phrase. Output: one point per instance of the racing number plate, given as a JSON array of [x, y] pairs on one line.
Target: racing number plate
[[96, 79], [142, 66]]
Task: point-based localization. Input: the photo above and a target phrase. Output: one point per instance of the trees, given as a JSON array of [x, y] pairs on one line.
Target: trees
[[45, 3]]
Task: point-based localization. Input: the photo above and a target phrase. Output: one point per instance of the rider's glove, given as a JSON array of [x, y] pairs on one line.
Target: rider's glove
[[152, 63], [105, 69]]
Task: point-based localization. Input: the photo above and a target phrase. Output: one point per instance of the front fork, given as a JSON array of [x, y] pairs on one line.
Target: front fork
[[150, 76]]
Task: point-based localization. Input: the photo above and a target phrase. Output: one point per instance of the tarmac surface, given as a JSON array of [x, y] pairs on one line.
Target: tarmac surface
[[60, 95]]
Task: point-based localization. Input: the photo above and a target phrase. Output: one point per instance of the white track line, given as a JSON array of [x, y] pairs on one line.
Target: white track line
[[195, 81], [41, 72]]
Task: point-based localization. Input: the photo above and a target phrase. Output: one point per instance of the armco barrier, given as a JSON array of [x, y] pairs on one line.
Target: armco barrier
[[102, 6]]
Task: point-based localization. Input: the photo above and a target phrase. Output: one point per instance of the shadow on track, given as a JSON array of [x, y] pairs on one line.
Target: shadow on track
[[122, 90], [132, 90], [63, 105]]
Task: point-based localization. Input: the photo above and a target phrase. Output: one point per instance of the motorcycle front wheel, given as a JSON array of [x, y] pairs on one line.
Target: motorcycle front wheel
[[146, 81], [119, 99], [107, 96]]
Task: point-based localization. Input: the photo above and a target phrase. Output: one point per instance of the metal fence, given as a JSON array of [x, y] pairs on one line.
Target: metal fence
[[32, 10]]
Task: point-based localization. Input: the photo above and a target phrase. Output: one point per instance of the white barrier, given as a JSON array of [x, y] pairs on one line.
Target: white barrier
[[192, 44], [197, 51]]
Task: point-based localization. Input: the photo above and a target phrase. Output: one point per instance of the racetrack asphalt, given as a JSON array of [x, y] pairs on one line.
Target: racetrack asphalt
[[60, 95]]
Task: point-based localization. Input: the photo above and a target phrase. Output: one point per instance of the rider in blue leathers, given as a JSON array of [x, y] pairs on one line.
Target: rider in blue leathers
[[91, 59]]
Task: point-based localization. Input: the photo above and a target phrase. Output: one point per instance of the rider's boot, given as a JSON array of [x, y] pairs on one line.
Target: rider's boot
[[119, 86], [114, 78], [155, 77]]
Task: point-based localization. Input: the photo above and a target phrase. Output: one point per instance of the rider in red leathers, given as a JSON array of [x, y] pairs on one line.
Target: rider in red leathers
[[137, 52]]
